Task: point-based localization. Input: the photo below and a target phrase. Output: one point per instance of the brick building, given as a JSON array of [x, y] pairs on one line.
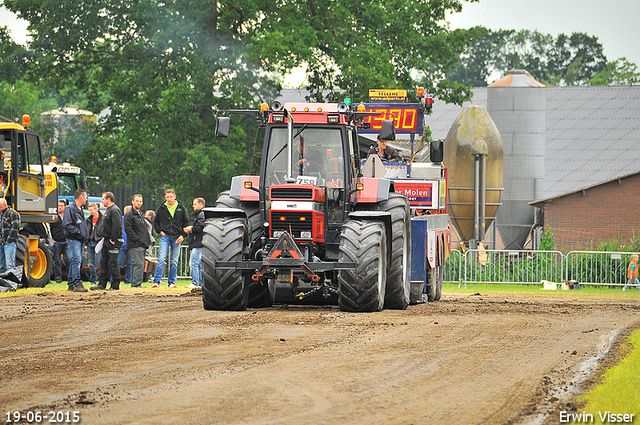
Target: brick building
[[601, 213]]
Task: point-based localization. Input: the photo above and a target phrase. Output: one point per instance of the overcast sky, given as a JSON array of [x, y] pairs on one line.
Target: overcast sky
[[614, 22]]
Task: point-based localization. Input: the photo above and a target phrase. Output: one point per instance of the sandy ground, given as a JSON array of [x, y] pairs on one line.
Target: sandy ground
[[150, 358]]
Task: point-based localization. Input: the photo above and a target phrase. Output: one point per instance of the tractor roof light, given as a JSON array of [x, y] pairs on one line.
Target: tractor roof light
[[333, 119], [26, 120], [278, 117], [420, 92], [362, 108], [428, 103], [264, 107]]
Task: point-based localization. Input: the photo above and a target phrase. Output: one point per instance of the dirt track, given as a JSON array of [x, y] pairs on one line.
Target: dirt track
[[160, 358]]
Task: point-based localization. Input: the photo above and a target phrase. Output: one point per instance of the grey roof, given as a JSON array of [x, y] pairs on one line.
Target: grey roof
[[592, 134]]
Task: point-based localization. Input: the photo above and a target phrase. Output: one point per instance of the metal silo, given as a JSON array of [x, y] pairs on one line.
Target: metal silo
[[518, 103], [472, 132]]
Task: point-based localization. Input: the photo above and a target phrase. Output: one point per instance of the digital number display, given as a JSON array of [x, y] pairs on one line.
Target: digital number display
[[408, 117]]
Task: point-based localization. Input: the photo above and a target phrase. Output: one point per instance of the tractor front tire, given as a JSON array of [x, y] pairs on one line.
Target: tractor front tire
[[224, 240], [363, 243]]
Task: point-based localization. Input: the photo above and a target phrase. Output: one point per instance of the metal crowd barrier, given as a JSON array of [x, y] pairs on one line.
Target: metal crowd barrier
[[519, 267], [184, 271], [531, 267]]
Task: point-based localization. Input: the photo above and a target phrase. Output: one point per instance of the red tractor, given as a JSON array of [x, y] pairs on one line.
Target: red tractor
[[311, 228]]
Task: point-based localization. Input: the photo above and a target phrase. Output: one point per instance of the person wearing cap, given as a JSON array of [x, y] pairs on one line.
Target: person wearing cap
[[9, 228], [385, 152]]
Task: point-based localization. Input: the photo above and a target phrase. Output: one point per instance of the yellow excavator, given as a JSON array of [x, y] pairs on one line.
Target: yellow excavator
[[31, 191]]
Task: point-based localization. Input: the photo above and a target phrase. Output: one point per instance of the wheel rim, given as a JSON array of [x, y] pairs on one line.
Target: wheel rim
[[40, 265]]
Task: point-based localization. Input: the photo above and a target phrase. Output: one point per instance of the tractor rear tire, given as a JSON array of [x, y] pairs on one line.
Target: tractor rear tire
[[432, 283], [363, 243], [40, 274], [398, 291], [440, 280], [224, 240]]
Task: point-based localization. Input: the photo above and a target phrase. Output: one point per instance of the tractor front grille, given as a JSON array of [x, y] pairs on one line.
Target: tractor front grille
[[291, 193], [294, 222]]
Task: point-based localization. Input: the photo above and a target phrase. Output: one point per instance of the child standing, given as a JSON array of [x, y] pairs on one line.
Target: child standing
[[632, 273]]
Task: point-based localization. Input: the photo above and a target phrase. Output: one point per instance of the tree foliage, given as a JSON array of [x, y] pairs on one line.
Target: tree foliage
[[13, 60], [620, 72], [561, 60], [159, 69]]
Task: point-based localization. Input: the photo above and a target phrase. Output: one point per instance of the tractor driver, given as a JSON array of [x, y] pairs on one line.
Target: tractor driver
[[385, 152], [307, 158]]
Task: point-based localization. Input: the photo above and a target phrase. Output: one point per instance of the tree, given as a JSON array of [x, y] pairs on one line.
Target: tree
[[22, 97], [620, 72], [561, 60], [14, 58], [160, 69]]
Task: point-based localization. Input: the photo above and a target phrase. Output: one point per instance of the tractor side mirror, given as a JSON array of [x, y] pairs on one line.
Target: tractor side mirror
[[436, 151], [388, 131], [223, 125]]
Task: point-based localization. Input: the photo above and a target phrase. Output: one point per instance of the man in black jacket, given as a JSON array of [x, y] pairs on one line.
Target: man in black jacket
[[195, 243], [138, 239], [111, 241], [75, 229], [170, 221]]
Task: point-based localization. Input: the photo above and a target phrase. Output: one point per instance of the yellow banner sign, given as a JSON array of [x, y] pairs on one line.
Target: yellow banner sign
[[391, 95]]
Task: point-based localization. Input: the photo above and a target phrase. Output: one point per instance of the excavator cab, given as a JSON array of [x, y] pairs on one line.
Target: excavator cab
[[30, 191]]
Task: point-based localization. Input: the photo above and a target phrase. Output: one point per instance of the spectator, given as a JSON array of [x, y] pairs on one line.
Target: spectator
[[113, 240], [124, 259], [94, 224], [170, 221], [75, 230], [386, 153], [195, 243], [138, 240], [59, 241], [9, 228], [632, 273], [149, 215]]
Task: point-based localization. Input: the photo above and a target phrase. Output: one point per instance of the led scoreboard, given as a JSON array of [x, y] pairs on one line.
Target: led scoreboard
[[408, 117]]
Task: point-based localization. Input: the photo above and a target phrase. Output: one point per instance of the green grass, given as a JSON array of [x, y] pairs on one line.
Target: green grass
[[62, 287], [589, 292], [618, 393]]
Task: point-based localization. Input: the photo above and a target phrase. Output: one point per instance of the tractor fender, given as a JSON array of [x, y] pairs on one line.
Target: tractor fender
[[213, 212], [375, 190], [381, 216], [241, 193]]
